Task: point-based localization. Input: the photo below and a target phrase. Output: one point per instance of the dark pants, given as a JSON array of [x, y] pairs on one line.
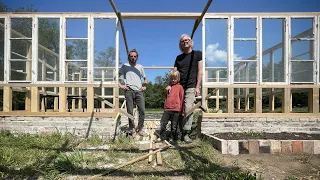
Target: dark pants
[[166, 117], [135, 98]]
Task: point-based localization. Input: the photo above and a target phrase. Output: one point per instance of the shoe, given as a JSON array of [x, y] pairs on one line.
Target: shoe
[[140, 132], [187, 139]]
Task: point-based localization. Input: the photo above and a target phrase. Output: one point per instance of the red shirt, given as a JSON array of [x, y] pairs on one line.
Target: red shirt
[[174, 99]]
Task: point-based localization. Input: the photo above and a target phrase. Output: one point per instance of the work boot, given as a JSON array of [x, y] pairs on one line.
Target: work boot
[[187, 139]]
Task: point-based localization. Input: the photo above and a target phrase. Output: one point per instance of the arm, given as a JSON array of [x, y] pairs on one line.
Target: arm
[[122, 83], [145, 80], [181, 96], [199, 79]]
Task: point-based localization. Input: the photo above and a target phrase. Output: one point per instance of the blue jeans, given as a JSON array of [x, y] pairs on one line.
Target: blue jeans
[[135, 98]]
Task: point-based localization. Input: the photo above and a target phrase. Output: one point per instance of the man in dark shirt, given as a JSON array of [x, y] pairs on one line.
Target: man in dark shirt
[[189, 64]]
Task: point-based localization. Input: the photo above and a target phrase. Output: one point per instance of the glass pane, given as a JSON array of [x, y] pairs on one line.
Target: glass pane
[[48, 49], [302, 50], [244, 50], [21, 49], [244, 28], [272, 50], [301, 71], [76, 71], [104, 75], [217, 75], [245, 72], [2, 50], [216, 43], [21, 28], [77, 49], [20, 70], [104, 43], [77, 28], [302, 28]]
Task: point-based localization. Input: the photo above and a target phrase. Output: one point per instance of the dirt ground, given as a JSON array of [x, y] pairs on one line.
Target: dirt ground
[[277, 166]]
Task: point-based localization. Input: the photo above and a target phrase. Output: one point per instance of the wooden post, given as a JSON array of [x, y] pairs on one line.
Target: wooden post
[[271, 99], [62, 99], [246, 100], [73, 89], [218, 91], [286, 100], [238, 99], [313, 100], [90, 99], [7, 99], [258, 100], [103, 89], [230, 100], [80, 92], [35, 99], [116, 99], [28, 100]]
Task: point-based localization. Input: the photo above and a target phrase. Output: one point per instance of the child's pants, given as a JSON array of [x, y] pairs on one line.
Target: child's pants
[[166, 117]]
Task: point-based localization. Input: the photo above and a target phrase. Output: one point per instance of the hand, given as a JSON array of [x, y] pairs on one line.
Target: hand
[[143, 88], [168, 88], [124, 87], [197, 92]]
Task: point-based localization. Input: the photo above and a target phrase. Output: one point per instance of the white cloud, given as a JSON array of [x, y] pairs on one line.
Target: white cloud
[[213, 54]]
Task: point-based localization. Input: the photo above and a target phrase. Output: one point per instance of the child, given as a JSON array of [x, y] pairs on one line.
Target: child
[[173, 106]]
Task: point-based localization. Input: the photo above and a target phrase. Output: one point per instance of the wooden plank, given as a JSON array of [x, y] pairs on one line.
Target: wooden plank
[[313, 100], [7, 99], [286, 100], [159, 158], [259, 115], [62, 99], [258, 100], [57, 114], [35, 99], [90, 99], [151, 134], [230, 100]]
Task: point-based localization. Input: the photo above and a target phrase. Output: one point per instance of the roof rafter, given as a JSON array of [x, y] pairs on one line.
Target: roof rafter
[[198, 20], [118, 13]]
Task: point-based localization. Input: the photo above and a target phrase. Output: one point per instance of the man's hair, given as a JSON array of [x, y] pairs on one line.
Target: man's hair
[[174, 74], [191, 41], [133, 50]]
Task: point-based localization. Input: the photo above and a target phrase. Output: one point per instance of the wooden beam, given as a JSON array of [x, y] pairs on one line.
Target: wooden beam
[[271, 99], [7, 99], [28, 100], [259, 115], [90, 99], [286, 100], [62, 99], [258, 100], [230, 100], [198, 20], [121, 24], [35, 99], [57, 114], [313, 100]]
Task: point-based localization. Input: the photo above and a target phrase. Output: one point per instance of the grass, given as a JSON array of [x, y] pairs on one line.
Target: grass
[[55, 156]]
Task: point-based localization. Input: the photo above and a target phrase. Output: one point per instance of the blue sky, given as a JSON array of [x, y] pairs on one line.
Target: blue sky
[[157, 40]]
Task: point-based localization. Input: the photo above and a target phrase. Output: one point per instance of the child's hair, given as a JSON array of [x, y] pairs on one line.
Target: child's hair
[[174, 75]]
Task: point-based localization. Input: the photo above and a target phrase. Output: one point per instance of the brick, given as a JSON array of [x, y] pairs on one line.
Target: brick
[[233, 147], [297, 146], [264, 146], [243, 147], [308, 146], [253, 147], [316, 147], [286, 146]]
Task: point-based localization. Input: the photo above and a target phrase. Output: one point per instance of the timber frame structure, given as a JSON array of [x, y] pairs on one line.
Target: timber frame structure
[[35, 83]]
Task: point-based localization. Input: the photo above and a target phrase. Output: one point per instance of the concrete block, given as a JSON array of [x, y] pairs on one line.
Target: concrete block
[[308, 146], [253, 147], [286, 146], [297, 146], [316, 147], [233, 147], [243, 147], [264, 146]]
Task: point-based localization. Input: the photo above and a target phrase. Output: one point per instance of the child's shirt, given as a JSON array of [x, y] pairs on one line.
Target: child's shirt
[[174, 99]]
